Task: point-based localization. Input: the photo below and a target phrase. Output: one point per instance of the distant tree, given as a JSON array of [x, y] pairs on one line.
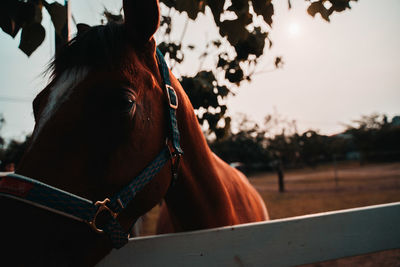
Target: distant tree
[[375, 137], [339, 146], [2, 141], [313, 148], [247, 145], [13, 152]]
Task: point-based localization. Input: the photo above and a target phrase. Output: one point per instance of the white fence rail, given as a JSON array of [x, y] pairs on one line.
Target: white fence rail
[[284, 242]]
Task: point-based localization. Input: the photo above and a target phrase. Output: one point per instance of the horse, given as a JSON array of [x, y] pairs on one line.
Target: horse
[[105, 116]]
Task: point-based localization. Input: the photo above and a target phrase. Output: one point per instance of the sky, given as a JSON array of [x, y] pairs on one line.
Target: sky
[[333, 72]]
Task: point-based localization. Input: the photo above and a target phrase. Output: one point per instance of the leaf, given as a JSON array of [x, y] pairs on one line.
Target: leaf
[[38, 13], [165, 20], [278, 62], [168, 3], [217, 8], [318, 7], [58, 14], [234, 30], [32, 36], [253, 45], [201, 89], [222, 62], [7, 18], [223, 91], [239, 6], [339, 5], [235, 76], [264, 8], [216, 43], [14, 14], [116, 18], [174, 51], [9, 26], [269, 40], [191, 7]]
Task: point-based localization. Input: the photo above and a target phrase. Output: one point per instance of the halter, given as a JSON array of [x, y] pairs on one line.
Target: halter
[[56, 200]]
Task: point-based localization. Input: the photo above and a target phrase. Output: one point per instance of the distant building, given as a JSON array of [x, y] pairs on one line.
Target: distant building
[[353, 155], [347, 136], [396, 121]]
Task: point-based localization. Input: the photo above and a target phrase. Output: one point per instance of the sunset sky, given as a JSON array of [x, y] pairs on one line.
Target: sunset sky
[[333, 73]]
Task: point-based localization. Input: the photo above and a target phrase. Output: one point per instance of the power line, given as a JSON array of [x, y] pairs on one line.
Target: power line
[[15, 99]]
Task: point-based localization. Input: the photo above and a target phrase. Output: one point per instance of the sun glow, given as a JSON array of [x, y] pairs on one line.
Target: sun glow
[[294, 29]]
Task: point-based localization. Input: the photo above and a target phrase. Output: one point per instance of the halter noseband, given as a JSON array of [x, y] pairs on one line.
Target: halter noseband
[[56, 200]]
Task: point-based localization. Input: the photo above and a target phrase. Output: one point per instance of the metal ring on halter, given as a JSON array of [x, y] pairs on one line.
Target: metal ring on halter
[[175, 160], [172, 105], [102, 206]]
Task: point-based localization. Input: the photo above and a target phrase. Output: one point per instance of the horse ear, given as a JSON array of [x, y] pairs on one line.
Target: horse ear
[[82, 28], [142, 19]]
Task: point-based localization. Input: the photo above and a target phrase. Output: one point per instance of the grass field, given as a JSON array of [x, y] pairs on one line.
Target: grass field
[[316, 190]]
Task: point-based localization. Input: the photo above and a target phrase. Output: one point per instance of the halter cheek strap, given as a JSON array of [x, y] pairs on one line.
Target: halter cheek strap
[[56, 200], [172, 102]]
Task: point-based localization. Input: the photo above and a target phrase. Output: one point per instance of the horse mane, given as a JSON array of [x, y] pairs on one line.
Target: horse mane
[[100, 47]]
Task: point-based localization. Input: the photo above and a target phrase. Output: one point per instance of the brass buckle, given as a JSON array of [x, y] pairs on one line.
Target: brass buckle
[[102, 206], [172, 153], [167, 87], [175, 160]]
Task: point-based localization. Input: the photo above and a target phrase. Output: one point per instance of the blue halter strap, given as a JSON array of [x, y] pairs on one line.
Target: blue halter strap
[[48, 197]]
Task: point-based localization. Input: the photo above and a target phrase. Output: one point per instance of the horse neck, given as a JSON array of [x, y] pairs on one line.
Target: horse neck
[[199, 196], [46, 239]]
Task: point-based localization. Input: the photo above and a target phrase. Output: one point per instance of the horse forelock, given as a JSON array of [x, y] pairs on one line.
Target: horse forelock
[[104, 49], [101, 47], [59, 93]]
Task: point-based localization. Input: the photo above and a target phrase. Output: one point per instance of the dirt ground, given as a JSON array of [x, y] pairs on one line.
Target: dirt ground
[[324, 189], [317, 190]]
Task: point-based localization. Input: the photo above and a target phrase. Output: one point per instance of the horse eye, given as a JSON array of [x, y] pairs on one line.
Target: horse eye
[[128, 105], [121, 104]]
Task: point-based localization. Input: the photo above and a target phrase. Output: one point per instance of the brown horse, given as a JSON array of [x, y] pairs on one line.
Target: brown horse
[[99, 123]]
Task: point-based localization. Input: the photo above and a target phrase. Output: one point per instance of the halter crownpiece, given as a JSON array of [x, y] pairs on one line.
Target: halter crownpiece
[[56, 200]]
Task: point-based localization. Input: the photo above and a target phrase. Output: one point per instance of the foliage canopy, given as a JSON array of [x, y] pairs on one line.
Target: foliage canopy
[[240, 45]]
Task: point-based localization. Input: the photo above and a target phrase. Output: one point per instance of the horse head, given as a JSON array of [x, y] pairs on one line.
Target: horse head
[[107, 118], [101, 120]]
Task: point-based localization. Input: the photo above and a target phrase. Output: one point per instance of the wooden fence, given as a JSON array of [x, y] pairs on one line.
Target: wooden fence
[[283, 242]]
